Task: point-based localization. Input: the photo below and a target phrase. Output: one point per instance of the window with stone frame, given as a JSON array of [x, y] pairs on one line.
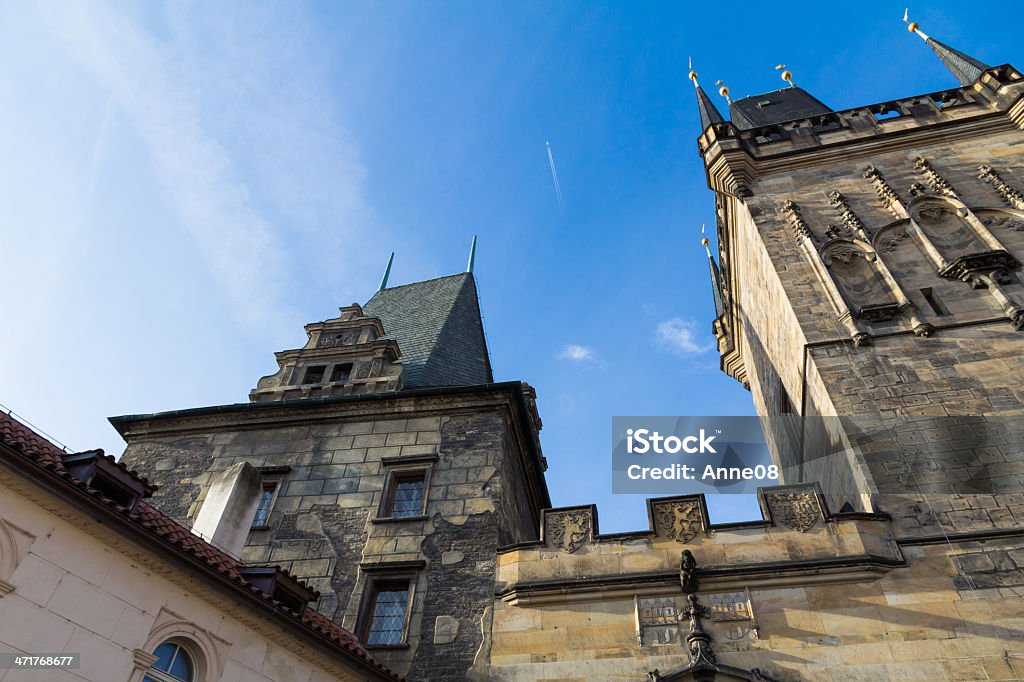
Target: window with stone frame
[[388, 615], [406, 487], [272, 481]]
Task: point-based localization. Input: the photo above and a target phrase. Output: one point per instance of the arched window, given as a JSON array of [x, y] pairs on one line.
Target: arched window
[[174, 664]]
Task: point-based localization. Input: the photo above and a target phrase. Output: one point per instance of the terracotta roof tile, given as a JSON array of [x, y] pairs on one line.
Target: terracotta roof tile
[[21, 439]]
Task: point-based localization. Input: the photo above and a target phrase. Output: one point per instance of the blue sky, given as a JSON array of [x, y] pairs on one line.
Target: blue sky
[[186, 184]]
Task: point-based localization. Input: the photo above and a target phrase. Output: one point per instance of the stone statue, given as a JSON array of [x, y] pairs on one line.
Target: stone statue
[[688, 572]]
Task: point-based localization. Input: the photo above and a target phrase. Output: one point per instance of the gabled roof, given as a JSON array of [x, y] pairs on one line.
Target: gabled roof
[[21, 441], [439, 331], [787, 104]]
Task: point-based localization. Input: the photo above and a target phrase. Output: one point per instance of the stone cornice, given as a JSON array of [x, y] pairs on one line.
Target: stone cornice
[[765, 575]]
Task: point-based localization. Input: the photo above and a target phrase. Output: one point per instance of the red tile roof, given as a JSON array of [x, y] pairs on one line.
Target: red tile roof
[[23, 440]]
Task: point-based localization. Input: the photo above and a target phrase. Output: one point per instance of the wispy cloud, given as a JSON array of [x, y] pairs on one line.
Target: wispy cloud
[[577, 353], [188, 116], [679, 336]]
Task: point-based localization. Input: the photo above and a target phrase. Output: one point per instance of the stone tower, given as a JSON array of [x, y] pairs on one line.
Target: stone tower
[[390, 468], [870, 274]]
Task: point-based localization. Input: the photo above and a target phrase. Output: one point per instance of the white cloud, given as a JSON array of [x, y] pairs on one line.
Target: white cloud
[[577, 353], [679, 336]]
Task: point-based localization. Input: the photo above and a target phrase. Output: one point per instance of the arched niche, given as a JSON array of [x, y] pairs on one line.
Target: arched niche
[[855, 269], [1006, 225], [945, 224]]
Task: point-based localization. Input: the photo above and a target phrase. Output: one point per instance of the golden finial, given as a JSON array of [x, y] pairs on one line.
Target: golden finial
[[704, 240], [723, 91], [913, 26], [787, 75], [693, 74]]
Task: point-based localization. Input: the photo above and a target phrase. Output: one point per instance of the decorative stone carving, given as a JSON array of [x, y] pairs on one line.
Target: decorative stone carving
[[568, 530], [688, 572], [850, 219], [1006, 222], [796, 220], [734, 614], [658, 621], [938, 184], [846, 254], [965, 267], [886, 193], [678, 520], [796, 510], [698, 641], [892, 239], [919, 190], [1010, 195]]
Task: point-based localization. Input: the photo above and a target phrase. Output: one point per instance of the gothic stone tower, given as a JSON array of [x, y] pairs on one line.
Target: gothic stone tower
[[870, 270], [380, 464]]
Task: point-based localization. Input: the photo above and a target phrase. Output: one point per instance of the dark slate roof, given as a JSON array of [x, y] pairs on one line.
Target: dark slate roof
[[770, 108], [439, 331], [708, 112], [967, 69]]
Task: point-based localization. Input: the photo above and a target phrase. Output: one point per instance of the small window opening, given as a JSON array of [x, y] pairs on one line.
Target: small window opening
[[110, 490], [764, 103], [341, 373], [314, 375], [262, 518], [934, 302], [406, 495]]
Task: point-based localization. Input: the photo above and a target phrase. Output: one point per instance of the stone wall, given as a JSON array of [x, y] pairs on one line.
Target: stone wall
[[806, 594], [325, 526]]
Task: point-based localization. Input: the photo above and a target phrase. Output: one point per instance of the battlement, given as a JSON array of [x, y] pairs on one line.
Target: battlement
[[744, 154]]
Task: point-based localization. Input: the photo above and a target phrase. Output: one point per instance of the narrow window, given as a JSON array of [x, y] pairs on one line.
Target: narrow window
[[405, 498], [173, 664], [386, 624], [267, 495], [314, 375], [341, 373], [934, 302]]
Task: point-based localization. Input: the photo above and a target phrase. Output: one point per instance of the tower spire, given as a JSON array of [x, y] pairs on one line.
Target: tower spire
[[387, 273], [967, 69], [708, 113], [472, 256], [716, 277]]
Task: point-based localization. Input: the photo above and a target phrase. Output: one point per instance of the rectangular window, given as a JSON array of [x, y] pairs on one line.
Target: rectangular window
[[341, 373], [405, 497], [267, 495], [933, 302], [314, 375], [390, 605]]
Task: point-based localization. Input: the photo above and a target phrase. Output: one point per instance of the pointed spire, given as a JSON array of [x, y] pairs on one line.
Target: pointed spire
[[967, 69], [716, 277], [387, 273], [708, 113], [472, 256]]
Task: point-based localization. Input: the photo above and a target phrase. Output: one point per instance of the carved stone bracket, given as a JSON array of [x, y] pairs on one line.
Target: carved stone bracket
[[568, 530], [850, 219], [938, 184], [698, 641], [797, 510], [1010, 195], [965, 266]]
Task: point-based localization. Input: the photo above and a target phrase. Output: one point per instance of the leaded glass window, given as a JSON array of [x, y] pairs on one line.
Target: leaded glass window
[[387, 621]]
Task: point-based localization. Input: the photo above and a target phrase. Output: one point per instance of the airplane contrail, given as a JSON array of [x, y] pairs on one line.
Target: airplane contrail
[[554, 179]]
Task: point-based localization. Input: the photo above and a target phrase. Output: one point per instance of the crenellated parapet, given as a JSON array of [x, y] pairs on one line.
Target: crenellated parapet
[[798, 540]]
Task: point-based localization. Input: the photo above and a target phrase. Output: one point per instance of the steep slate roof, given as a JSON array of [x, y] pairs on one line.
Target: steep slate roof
[[439, 331], [708, 111], [967, 69], [22, 440], [787, 104]]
